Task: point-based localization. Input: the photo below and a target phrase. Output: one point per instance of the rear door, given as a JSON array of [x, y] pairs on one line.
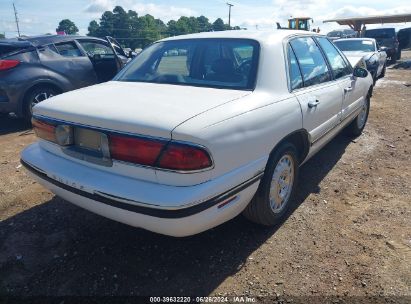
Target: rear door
[[342, 74], [311, 81], [67, 60]]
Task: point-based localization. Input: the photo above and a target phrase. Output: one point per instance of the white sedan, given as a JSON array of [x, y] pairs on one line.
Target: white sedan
[[366, 53], [180, 144]]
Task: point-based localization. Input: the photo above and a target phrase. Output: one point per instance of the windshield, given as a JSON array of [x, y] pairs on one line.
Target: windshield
[[355, 45], [216, 63]]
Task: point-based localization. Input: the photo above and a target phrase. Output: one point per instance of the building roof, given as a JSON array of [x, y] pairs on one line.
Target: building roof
[[372, 19]]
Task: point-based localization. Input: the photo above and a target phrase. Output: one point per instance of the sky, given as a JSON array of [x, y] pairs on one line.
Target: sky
[[42, 16]]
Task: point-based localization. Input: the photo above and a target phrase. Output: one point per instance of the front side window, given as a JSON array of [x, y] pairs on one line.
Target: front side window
[[68, 49], [219, 63], [338, 65], [311, 61], [97, 48]]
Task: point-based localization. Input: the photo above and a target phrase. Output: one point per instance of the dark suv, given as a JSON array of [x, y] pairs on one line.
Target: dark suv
[[387, 38], [33, 69]]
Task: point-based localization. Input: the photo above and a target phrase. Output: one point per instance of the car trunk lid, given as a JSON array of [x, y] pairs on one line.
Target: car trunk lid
[[137, 108]]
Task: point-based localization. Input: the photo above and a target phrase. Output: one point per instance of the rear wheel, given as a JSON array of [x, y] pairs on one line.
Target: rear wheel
[[358, 124], [36, 96], [275, 194]]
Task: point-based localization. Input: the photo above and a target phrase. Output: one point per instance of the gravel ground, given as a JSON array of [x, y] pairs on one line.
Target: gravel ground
[[349, 236]]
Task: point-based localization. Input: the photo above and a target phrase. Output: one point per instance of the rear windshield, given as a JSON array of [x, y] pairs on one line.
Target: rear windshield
[[380, 33], [216, 63], [8, 49], [355, 45]]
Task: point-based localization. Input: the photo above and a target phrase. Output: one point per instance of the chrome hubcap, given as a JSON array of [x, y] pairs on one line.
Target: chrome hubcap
[[39, 98], [362, 116], [282, 183]]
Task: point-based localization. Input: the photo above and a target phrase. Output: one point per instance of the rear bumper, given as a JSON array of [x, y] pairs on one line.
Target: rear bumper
[[170, 210]]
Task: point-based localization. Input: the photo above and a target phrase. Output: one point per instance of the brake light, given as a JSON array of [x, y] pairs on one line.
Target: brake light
[[158, 153], [184, 157], [135, 150], [8, 64], [44, 130]]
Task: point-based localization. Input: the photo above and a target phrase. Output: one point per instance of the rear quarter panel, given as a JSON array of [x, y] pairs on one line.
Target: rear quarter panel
[[239, 134]]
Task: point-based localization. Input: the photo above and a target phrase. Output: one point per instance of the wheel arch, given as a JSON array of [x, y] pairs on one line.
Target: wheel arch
[[300, 139], [35, 86]]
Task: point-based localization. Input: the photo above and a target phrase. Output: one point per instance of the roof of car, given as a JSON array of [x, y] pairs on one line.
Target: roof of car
[[262, 36], [48, 39]]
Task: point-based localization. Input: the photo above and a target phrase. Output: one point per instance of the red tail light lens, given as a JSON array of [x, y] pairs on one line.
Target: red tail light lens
[[136, 150], [44, 130], [184, 158], [158, 153], [8, 64]]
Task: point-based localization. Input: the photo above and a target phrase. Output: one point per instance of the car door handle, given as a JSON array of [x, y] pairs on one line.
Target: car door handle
[[313, 103], [349, 89]]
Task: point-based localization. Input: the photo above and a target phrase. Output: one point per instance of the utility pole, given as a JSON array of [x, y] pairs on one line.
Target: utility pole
[[229, 14], [17, 19]]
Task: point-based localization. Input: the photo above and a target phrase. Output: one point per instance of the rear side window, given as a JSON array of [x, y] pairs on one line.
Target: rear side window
[[68, 49], [311, 61], [8, 49], [338, 65], [296, 79]]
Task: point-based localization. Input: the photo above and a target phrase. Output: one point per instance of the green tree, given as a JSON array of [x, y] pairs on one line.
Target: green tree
[[93, 28], [204, 24], [2, 36], [219, 25], [67, 26]]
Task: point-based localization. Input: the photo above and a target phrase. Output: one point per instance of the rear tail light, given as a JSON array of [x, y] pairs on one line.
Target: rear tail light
[[44, 130], [135, 150], [155, 153], [158, 153], [8, 64], [184, 157]]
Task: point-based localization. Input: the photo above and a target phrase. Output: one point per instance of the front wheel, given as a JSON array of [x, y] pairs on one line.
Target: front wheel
[[275, 194], [36, 96], [358, 124], [382, 75]]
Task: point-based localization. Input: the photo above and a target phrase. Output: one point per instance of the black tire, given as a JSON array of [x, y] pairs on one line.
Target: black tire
[[36, 95], [259, 210], [355, 128], [399, 54], [383, 71]]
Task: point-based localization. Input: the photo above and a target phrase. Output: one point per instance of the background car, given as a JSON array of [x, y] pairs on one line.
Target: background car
[[365, 48], [33, 69], [386, 37], [345, 33], [404, 38]]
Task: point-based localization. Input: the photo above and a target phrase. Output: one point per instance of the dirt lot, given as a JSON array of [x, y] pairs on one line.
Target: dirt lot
[[350, 234]]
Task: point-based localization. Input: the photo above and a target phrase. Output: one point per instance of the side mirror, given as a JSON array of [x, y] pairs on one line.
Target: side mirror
[[360, 72]]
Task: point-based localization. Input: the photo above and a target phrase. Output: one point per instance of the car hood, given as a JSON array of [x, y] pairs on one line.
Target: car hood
[[141, 108], [354, 56]]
